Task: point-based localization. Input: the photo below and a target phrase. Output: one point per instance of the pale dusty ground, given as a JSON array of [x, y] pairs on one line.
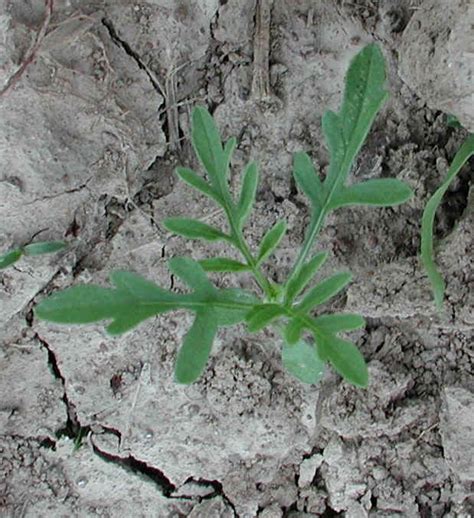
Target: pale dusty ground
[[89, 138]]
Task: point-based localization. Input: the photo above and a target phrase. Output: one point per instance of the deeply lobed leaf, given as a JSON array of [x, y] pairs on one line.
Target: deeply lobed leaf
[[134, 299]]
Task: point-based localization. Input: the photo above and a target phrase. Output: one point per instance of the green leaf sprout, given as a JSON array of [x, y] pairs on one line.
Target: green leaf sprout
[[38, 248], [427, 222]]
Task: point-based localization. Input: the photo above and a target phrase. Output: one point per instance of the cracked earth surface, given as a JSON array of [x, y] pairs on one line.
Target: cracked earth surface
[[94, 118]]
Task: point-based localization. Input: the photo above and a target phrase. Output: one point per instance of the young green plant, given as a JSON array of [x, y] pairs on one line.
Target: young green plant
[[427, 222], [288, 307], [39, 248]]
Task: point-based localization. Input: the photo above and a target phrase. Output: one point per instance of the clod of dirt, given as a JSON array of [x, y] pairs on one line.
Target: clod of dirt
[[457, 432], [437, 57]]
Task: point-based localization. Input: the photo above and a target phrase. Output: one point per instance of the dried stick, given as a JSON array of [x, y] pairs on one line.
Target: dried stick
[[261, 52], [32, 51]]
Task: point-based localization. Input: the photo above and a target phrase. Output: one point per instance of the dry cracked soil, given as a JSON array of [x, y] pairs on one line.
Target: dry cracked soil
[[94, 117]]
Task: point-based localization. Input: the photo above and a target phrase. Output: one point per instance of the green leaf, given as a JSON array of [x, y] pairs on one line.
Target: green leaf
[[324, 291], [338, 322], [233, 305], [87, 304], [427, 253], [271, 240], [345, 358], [307, 178], [452, 121], [381, 192], [332, 130], [194, 180], [10, 258], [345, 132], [223, 264], [260, 316], [208, 146], [364, 95], [247, 194], [299, 280], [302, 361], [44, 247], [135, 299], [292, 331], [194, 353], [193, 229]]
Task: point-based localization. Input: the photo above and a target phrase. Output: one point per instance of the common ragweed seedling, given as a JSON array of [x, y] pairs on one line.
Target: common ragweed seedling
[[289, 307]]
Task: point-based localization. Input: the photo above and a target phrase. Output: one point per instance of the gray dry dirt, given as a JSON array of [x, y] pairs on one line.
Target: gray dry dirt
[[91, 131]]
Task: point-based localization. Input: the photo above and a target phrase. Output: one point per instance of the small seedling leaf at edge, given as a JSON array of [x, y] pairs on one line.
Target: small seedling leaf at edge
[[380, 192], [38, 248], [193, 229], [44, 247], [427, 222], [271, 240], [452, 121], [10, 257], [302, 361], [345, 357]]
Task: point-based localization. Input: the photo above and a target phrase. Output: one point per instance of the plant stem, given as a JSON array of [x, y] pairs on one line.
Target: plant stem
[[317, 223], [238, 240], [314, 230]]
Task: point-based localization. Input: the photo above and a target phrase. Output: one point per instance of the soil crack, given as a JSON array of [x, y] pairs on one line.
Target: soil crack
[[134, 55], [72, 428], [57, 195]]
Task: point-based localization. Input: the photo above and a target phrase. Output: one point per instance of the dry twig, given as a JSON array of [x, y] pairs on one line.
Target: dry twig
[[32, 51]]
